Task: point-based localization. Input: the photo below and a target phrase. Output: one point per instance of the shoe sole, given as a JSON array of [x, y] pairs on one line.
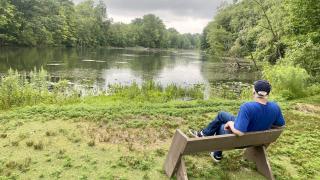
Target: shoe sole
[[214, 159]]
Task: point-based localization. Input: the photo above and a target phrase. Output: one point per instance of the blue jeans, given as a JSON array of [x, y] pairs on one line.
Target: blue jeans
[[216, 127]]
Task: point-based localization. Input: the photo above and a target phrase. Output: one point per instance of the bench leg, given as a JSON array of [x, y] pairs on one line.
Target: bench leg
[[182, 172], [174, 155], [259, 156]]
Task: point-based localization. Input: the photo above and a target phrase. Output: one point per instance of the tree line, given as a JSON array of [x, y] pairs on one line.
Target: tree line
[[274, 31], [62, 23]]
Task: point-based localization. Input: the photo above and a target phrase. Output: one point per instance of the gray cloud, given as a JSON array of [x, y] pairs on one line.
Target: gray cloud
[[194, 8], [184, 15]]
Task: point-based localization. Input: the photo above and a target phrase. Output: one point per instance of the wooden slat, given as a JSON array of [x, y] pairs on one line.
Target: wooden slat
[[231, 141], [259, 156], [175, 152], [182, 171]]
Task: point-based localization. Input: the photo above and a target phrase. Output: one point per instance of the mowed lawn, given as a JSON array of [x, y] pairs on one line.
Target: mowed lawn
[[111, 138]]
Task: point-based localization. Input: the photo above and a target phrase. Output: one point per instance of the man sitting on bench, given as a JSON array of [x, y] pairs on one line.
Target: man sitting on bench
[[258, 115]]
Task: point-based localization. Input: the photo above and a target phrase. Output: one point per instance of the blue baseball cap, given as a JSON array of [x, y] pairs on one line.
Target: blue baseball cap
[[262, 87]]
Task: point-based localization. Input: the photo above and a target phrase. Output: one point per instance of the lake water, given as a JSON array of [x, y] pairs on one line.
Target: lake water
[[103, 66]]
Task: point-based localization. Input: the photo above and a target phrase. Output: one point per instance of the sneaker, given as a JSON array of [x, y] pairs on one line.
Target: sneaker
[[215, 158], [196, 133]]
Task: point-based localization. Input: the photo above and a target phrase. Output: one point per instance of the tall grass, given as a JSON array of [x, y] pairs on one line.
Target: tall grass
[[151, 91], [22, 89]]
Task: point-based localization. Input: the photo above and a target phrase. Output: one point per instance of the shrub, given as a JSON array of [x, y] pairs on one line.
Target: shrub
[[307, 55], [287, 81], [314, 89], [246, 93]]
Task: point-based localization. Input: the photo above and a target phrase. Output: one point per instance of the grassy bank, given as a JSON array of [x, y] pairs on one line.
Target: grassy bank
[[115, 137]]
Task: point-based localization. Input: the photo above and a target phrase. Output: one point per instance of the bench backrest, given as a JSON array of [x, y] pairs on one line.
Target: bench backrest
[[182, 144], [230, 141]]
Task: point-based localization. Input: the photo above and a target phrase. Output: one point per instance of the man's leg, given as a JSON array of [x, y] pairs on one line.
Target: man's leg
[[213, 127], [217, 155]]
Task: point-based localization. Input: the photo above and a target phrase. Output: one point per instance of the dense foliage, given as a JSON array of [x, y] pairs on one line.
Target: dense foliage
[[287, 81], [268, 30], [61, 22]]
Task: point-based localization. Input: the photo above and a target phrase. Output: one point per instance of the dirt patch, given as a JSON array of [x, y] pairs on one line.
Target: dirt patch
[[307, 108]]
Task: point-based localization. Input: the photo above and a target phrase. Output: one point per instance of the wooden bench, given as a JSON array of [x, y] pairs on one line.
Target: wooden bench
[[254, 142]]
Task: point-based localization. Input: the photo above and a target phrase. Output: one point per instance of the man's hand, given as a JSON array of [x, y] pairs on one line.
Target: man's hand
[[230, 126], [227, 125]]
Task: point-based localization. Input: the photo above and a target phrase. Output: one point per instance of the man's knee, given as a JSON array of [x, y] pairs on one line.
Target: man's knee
[[222, 114]]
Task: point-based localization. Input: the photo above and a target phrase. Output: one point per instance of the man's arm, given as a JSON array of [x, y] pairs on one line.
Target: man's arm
[[230, 126], [280, 122]]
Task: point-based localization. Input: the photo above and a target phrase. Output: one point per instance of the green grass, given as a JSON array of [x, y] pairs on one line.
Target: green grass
[[109, 137]]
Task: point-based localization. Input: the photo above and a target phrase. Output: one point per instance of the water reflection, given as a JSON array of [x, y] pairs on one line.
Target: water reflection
[[103, 66]]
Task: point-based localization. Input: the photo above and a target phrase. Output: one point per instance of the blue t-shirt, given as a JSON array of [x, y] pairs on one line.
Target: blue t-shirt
[[254, 116]]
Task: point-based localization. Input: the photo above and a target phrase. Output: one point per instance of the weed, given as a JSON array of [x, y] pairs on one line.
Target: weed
[[91, 143], [56, 174], [3, 136], [23, 136], [76, 140], [160, 152], [61, 154], [146, 177], [15, 143], [24, 166], [63, 131], [67, 163], [11, 164], [135, 162], [83, 177], [50, 133], [62, 151], [29, 143], [130, 146], [38, 145]]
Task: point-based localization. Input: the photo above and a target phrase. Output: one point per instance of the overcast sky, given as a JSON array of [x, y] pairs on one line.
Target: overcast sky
[[184, 15]]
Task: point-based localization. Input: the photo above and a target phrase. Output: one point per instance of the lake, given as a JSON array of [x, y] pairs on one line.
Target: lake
[[103, 66]]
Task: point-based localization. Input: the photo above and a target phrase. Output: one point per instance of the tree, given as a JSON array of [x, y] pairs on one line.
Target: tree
[[8, 24], [92, 23], [153, 31]]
